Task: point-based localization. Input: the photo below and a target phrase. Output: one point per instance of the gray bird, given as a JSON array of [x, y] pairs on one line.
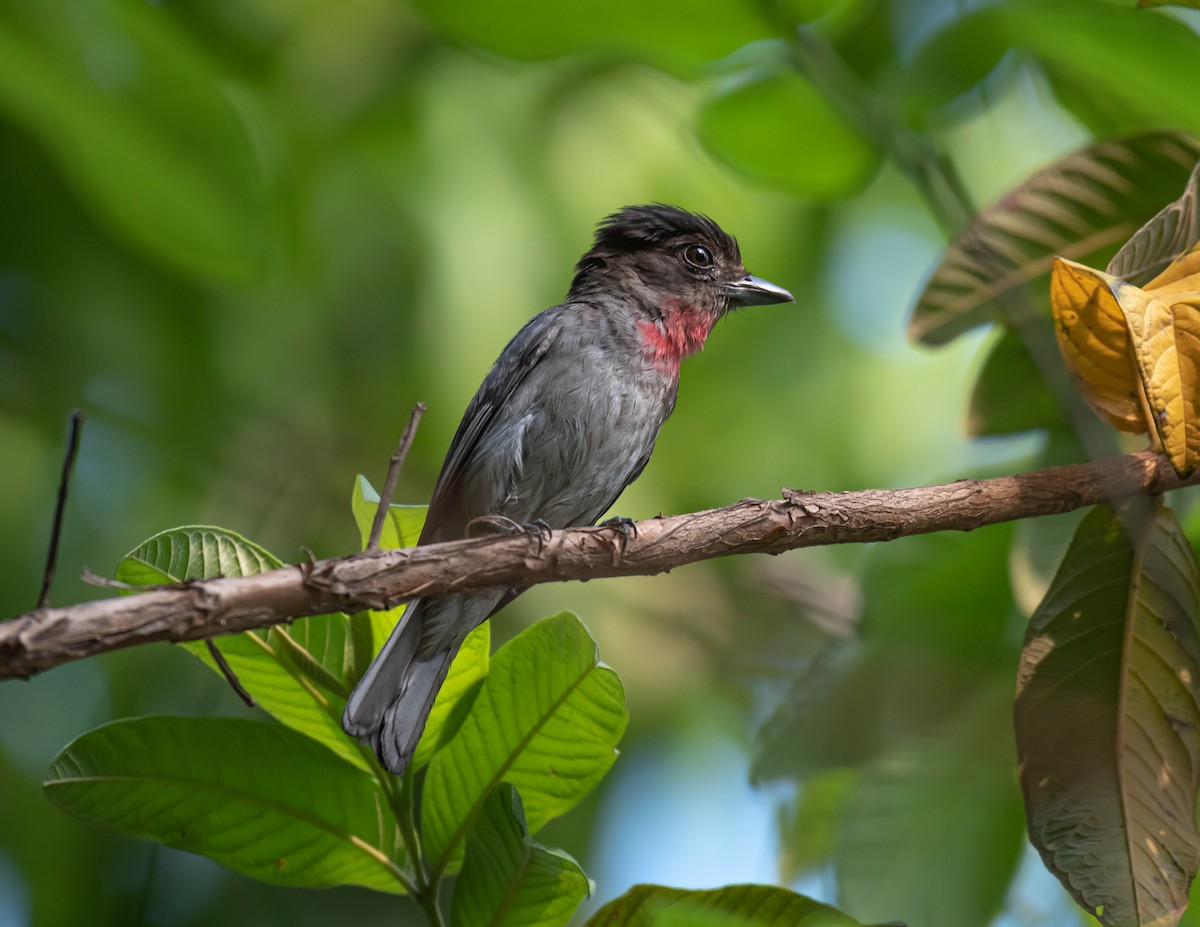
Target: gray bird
[[564, 421]]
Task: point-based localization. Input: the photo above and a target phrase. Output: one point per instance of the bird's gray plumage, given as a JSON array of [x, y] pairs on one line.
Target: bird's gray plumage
[[564, 421]]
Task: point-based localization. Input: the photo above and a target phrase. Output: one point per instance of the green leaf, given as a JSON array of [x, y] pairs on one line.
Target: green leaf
[[933, 832], [782, 132], [140, 120], [253, 796], [809, 833], [193, 552], [671, 33], [732, 906], [296, 674], [401, 528], [1010, 395], [1189, 4], [547, 719], [1082, 207], [1106, 716], [457, 694], [509, 881]]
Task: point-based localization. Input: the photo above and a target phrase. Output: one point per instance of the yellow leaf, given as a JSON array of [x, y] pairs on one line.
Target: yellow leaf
[[1094, 340], [1166, 344], [1181, 276]]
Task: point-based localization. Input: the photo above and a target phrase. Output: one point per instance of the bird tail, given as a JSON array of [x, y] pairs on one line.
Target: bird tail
[[392, 701]]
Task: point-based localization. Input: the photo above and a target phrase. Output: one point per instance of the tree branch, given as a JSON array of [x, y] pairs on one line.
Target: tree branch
[[44, 638]]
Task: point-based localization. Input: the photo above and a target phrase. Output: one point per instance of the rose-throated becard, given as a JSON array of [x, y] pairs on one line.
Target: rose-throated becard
[[564, 421]]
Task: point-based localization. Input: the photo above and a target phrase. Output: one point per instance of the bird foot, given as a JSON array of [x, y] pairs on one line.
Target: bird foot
[[500, 524], [625, 529]]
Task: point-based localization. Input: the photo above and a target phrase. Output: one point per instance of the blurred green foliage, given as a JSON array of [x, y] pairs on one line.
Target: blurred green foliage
[[246, 236]]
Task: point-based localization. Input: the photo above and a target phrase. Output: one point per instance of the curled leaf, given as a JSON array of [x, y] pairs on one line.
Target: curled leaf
[[1095, 343]]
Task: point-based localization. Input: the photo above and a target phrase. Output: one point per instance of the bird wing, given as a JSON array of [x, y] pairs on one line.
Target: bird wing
[[446, 519]]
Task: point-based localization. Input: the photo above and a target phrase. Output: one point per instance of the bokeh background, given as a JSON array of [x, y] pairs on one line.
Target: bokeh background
[[245, 236]]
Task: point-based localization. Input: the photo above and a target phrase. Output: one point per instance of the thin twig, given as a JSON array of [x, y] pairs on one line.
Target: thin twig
[[389, 485], [229, 674], [77, 420]]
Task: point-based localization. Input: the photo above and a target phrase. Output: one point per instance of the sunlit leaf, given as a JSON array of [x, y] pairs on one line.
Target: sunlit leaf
[[732, 906], [401, 528], [457, 694], [1094, 338], [402, 525], [783, 132], [255, 797], [507, 880], [1166, 344], [1083, 207], [1106, 717], [296, 673], [547, 719], [193, 552]]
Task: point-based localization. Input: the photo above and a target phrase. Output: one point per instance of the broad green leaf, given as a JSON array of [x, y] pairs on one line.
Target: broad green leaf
[[1106, 715], [401, 528], [457, 694], [1192, 4], [140, 120], [1093, 336], [732, 906], [1010, 395], [933, 832], [253, 796], [295, 673], [1082, 207], [193, 552], [509, 881], [781, 131], [671, 33], [547, 719]]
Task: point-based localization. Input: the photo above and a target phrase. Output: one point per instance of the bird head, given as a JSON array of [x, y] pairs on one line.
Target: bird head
[[665, 256], [678, 272]]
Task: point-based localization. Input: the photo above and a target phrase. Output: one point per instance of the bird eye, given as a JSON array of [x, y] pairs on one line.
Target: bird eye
[[698, 256]]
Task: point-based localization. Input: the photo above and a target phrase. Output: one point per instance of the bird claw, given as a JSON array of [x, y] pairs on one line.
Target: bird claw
[[501, 524], [626, 527]]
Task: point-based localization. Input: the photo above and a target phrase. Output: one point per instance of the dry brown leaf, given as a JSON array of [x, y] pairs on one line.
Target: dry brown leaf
[[1093, 336], [1166, 343]]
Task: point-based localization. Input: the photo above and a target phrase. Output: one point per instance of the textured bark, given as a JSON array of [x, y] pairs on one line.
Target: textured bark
[[44, 638]]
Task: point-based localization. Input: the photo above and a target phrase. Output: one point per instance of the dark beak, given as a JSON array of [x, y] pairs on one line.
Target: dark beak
[[753, 291]]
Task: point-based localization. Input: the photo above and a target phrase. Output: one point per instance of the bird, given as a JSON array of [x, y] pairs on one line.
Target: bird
[[565, 419]]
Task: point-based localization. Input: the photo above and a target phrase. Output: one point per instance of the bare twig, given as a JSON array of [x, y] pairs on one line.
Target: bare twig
[[45, 638], [389, 484], [60, 504], [229, 674]]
